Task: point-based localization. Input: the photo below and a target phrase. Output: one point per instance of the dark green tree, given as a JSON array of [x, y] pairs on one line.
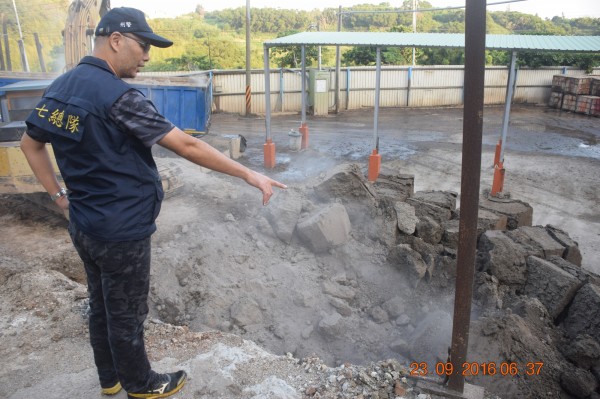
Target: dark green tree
[[183, 63]]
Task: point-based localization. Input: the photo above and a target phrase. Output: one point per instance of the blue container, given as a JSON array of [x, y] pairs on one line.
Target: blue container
[[188, 107], [186, 103]]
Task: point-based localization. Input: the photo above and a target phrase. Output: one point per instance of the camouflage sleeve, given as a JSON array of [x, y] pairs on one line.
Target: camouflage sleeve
[[136, 115]]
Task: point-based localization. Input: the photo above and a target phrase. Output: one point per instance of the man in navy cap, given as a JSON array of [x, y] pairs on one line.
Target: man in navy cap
[[101, 131]]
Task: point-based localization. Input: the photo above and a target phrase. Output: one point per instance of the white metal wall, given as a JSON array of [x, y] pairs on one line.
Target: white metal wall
[[400, 87]]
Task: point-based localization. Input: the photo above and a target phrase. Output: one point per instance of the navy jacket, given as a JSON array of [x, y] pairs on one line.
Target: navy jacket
[[115, 189]]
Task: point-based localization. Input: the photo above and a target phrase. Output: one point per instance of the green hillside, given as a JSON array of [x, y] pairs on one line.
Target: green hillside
[[216, 40]]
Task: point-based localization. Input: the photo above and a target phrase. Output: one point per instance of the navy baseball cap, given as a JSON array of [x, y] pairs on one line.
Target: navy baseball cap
[[126, 19]]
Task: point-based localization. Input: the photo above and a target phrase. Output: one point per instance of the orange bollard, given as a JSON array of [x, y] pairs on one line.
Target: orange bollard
[[303, 129], [269, 153], [498, 183], [498, 151], [374, 165]]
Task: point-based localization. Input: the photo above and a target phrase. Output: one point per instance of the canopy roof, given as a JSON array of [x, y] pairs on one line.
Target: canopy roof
[[578, 44]]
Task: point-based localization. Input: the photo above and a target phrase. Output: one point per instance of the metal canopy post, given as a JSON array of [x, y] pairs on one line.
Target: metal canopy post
[[375, 157], [303, 85], [303, 127], [269, 146], [475, 17], [377, 92], [337, 66], [499, 171]]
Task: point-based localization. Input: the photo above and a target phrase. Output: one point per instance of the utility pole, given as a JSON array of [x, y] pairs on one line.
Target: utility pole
[[6, 43], [38, 45], [2, 67], [318, 30], [338, 65], [414, 15], [248, 74], [21, 43]]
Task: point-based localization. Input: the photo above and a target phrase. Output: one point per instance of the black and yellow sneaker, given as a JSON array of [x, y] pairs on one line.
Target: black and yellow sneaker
[[163, 385], [113, 389]]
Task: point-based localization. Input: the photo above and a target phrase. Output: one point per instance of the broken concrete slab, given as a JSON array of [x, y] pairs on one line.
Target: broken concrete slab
[[583, 351], [393, 185], [325, 229], [537, 241], [284, 214], [486, 220], [443, 199], [331, 326], [486, 291], [345, 182], [429, 230], [583, 316], [406, 259], [338, 291], [500, 256], [518, 213], [407, 220], [450, 234], [578, 382], [532, 310], [425, 209], [585, 276], [554, 287], [572, 253]]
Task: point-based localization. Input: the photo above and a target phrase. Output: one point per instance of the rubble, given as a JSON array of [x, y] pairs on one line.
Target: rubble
[[351, 270]]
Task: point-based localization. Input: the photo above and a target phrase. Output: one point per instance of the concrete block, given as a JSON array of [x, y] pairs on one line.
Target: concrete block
[[284, 213], [326, 228], [429, 230], [555, 100], [595, 86], [500, 256], [518, 213], [394, 186], [345, 182], [578, 84], [425, 209], [559, 83], [486, 220], [554, 287], [583, 316], [407, 220], [409, 261], [444, 199], [537, 241], [572, 253]]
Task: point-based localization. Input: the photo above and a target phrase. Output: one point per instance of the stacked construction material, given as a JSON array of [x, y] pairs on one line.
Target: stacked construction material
[[589, 105], [576, 94], [595, 86]]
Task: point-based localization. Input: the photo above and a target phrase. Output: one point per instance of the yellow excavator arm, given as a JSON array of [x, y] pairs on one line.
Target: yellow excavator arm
[[82, 18]]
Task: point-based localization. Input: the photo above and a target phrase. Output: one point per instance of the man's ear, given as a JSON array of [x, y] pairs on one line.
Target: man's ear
[[115, 41]]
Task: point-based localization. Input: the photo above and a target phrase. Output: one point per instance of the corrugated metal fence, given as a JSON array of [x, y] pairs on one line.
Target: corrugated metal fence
[[419, 86]]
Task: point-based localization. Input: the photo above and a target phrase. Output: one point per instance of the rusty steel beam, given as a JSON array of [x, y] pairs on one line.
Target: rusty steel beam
[[475, 16]]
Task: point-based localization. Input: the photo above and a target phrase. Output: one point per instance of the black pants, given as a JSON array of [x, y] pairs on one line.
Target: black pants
[[118, 275]]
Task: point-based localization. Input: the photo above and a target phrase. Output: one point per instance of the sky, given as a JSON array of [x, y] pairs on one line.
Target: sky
[[543, 8]]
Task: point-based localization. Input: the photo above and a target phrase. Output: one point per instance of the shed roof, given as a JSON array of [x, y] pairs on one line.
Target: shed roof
[[582, 44]]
